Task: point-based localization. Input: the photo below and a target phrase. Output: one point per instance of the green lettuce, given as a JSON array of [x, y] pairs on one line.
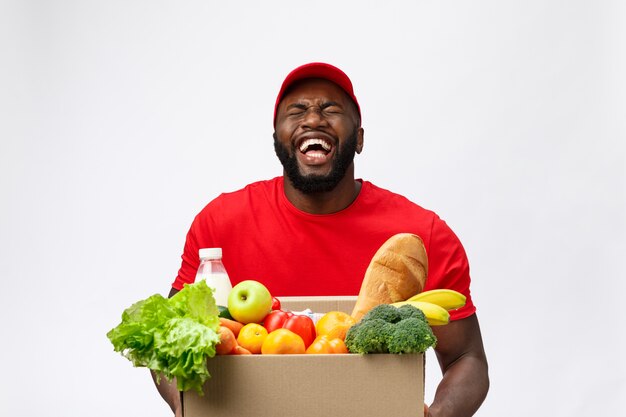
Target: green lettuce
[[173, 337]]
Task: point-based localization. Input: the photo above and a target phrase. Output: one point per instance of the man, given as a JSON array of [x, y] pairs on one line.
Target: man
[[314, 230]]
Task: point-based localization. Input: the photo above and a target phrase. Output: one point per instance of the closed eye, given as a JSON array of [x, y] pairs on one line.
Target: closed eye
[[295, 109], [331, 107]]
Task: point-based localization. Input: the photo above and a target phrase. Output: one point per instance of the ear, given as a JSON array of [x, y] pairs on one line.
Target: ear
[[359, 140]]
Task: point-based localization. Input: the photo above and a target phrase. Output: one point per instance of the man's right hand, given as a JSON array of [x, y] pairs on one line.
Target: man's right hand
[[170, 394]]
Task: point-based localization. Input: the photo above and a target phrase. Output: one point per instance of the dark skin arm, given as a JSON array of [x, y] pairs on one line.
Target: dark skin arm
[[463, 362], [167, 389]]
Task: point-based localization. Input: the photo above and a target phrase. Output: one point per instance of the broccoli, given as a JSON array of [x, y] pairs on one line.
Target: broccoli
[[389, 329], [411, 335], [369, 336], [385, 312], [408, 310]]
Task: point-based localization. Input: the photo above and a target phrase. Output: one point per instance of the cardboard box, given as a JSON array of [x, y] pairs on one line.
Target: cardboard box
[[311, 385]]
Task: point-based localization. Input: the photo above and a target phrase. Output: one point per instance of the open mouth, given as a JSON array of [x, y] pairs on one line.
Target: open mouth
[[315, 148]]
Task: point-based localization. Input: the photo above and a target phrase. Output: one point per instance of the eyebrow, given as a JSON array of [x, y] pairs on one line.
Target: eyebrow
[[329, 104], [300, 106], [303, 106]]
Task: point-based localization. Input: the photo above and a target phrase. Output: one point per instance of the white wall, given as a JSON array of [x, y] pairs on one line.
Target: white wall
[[119, 120]]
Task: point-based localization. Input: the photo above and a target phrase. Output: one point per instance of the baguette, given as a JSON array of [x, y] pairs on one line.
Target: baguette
[[397, 271]]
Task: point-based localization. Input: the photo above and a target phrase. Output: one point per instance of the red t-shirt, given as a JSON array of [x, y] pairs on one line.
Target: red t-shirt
[[266, 238]]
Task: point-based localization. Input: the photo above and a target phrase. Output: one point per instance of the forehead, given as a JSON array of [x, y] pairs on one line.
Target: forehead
[[313, 90]]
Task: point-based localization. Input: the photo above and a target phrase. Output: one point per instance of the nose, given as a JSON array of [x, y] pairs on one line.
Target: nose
[[313, 118]]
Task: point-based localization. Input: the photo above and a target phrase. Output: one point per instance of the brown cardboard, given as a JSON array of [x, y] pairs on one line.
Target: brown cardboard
[[318, 304], [311, 385]]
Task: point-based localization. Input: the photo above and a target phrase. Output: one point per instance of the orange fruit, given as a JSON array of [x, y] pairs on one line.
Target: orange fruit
[[338, 345], [251, 337], [334, 324], [282, 341]]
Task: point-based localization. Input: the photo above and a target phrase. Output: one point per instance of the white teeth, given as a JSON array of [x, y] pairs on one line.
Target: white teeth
[[309, 142]]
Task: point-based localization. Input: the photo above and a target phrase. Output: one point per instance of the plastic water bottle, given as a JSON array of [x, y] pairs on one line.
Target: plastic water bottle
[[212, 270]]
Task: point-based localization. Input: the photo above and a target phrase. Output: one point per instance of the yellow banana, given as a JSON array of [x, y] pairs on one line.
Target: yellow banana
[[448, 299], [436, 315]]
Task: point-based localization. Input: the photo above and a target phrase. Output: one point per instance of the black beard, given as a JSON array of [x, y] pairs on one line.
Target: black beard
[[311, 184]]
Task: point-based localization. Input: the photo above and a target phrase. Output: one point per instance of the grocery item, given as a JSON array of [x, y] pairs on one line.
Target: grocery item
[[325, 345], [240, 350], [275, 319], [233, 325], [397, 271], [227, 343], [282, 341], [249, 302], [303, 326], [212, 270], [388, 329], [436, 315], [172, 337], [448, 299], [338, 345], [334, 324], [251, 337]]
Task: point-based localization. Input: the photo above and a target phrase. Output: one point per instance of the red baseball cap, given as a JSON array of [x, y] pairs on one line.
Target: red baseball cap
[[317, 70]]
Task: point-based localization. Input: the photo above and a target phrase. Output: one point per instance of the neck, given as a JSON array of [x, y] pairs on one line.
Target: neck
[[326, 202]]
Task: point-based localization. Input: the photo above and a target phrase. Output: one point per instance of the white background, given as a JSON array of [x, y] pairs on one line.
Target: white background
[[119, 120]]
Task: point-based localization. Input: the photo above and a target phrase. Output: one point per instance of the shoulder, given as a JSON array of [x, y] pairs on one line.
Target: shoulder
[[263, 187], [406, 214], [229, 206], [383, 197], [259, 190], [234, 210]]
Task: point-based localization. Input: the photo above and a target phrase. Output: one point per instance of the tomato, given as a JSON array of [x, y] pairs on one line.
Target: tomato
[[275, 320], [320, 345], [324, 344], [338, 345], [275, 303], [302, 326]]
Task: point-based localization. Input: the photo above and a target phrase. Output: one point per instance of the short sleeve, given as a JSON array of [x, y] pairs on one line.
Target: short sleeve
[[190, 261], [448, 266], [200, 235]]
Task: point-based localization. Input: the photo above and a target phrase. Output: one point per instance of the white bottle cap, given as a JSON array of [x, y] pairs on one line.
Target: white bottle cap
[[210, 253]]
